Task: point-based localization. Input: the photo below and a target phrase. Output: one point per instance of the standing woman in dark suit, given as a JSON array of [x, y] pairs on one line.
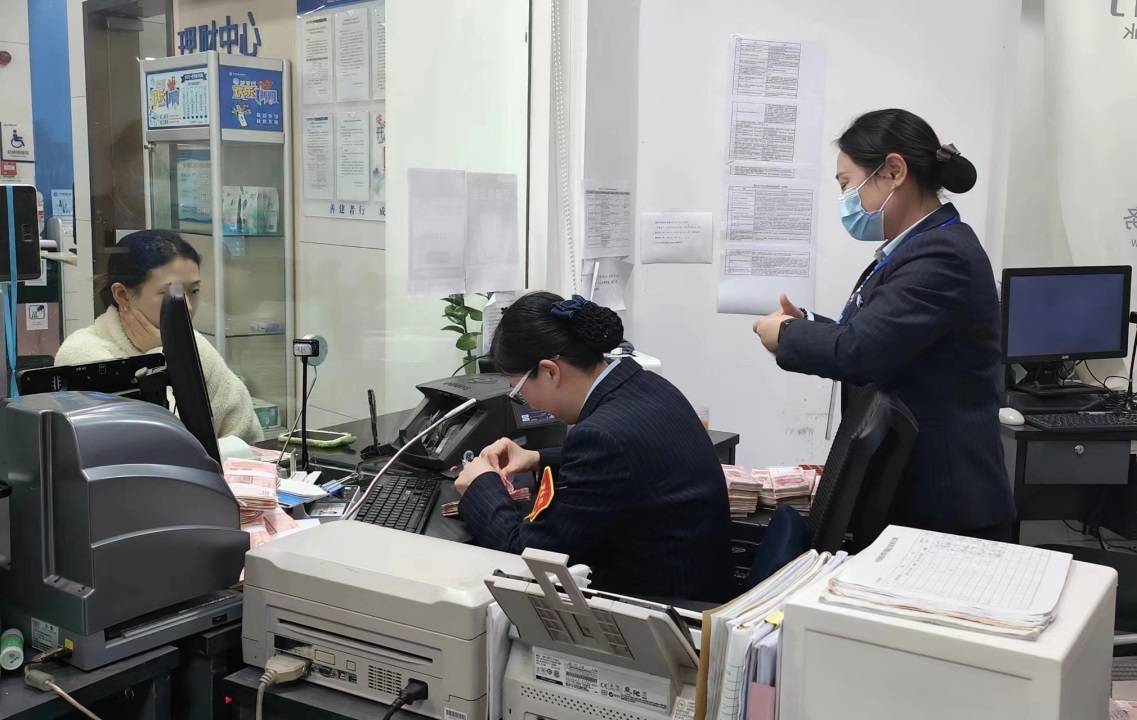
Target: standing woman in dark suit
[[637, 492], [922, 322]]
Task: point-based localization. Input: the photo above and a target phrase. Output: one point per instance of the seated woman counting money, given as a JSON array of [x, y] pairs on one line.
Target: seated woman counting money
[[636, 492]]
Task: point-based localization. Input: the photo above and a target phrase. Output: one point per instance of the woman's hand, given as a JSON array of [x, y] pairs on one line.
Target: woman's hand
[[471, 472], [788, 308], [768, 327], [507, 458], [140, 331]]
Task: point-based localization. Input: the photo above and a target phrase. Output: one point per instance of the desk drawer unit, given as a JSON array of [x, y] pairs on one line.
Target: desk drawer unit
[[1077, 462]]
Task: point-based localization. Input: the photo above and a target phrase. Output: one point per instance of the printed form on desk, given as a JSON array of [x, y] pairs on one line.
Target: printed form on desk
[[946, 579]]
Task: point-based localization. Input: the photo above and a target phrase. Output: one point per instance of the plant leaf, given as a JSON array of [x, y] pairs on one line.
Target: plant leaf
[[455, 328], [475, 315], [467, 342]]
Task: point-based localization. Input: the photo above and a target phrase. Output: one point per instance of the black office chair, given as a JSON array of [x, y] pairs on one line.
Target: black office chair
[[866, 462]]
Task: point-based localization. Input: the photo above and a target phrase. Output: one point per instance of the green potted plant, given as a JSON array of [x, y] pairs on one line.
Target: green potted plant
[[459, 315]]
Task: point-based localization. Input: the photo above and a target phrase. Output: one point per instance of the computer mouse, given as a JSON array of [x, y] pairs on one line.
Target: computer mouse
[[1010, 416]]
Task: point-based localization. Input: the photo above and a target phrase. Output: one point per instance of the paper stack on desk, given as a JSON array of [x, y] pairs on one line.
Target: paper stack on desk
[[933, 577], [738, 659]]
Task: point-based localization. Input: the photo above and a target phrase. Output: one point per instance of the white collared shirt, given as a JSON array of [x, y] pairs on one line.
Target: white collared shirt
[[886, 249], [600, 378]]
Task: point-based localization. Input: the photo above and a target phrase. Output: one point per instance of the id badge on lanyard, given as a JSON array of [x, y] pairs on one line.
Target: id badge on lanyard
[[855, 298]]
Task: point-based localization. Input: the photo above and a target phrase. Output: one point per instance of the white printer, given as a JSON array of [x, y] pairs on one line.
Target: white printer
[[374, 608]]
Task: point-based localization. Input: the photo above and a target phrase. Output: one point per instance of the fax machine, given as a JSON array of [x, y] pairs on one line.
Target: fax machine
[[374, 608], [494, 416]]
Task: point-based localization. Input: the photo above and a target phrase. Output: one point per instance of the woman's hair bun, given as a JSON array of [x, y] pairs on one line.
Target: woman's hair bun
[[956, 173], [598, 327]]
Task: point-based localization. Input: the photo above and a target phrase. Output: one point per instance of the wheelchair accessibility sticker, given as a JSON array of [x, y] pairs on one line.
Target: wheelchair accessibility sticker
[[16, 142]]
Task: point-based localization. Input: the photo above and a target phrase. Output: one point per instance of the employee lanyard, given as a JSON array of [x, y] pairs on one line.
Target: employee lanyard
[[855, 297]]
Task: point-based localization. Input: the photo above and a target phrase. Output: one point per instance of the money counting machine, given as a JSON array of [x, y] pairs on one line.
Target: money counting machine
[[120, 535], [374, 608], [589, 654]]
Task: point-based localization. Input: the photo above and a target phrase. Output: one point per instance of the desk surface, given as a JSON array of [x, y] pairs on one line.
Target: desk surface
[[20, 702], [1029, 433], [388, 427], [303, 700]]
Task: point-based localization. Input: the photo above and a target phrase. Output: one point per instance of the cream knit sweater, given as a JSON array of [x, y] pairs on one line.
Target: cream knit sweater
[[232, 406]]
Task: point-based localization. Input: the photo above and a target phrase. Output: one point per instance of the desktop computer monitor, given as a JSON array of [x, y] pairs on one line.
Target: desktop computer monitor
[[1061, 314], [183, 366]]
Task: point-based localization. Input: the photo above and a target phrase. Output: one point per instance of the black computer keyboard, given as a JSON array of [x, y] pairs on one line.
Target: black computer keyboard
[[402, 500], [1122, 421]]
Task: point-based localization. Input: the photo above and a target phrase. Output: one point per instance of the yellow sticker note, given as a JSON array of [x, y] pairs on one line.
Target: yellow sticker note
[[775, 618], [545, 492]]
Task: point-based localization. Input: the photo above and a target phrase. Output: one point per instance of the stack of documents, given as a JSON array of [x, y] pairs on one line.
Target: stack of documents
[[949, 580], [738, 658]]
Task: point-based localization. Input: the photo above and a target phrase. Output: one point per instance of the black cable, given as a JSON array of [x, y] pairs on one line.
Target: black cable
[[296, 420], [413, 691], [468, 361]]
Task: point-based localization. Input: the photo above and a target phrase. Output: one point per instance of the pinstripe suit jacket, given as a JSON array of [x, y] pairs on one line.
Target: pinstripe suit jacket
[[927, 330], [639, 495]]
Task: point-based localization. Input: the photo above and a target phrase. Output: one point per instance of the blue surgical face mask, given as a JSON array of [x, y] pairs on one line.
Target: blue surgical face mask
[[860, 223]]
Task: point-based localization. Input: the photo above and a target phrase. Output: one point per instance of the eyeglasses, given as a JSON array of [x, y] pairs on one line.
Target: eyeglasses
[[515, 394]]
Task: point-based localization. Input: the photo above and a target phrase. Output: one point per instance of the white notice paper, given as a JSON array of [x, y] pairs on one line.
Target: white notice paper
[[761, 212], [436, 219], [319, 162], [753, 274], [378, 158], [352, 61], [36, 316], [379, 52], [775, 69], [768, 131], [607, 220], [675, 238], [607, 288], [353, 161], [316, 59], [492, 252]]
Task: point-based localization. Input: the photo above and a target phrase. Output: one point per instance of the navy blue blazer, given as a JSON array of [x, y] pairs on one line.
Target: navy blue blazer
[[639, 496], [927, 330]]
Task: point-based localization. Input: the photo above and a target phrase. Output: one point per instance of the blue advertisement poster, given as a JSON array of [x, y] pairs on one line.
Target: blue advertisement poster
[[251, 99]]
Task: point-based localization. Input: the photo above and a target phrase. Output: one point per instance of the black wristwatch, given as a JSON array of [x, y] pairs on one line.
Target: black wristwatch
[[782, 327]]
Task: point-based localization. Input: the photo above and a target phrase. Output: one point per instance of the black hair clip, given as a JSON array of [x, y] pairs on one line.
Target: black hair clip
[[567, 309], [947, 152]]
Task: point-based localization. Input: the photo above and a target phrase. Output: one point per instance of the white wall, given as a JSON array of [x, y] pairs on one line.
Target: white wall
[[15, 78], [947, 63]]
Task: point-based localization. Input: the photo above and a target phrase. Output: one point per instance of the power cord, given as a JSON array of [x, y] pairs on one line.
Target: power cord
[[413, 691], [45, 682], [279, 669]]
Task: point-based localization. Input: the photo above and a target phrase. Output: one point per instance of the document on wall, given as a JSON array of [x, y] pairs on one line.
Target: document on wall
[[379, 51], [319, 160], [352, 57], [605, 280], [492, 239], [316, 60], [607, 220], [437, 221], [378, 157], [353, 161], [775, 69], [753, 274], [682, 237], [775, 131], [769, 212]]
